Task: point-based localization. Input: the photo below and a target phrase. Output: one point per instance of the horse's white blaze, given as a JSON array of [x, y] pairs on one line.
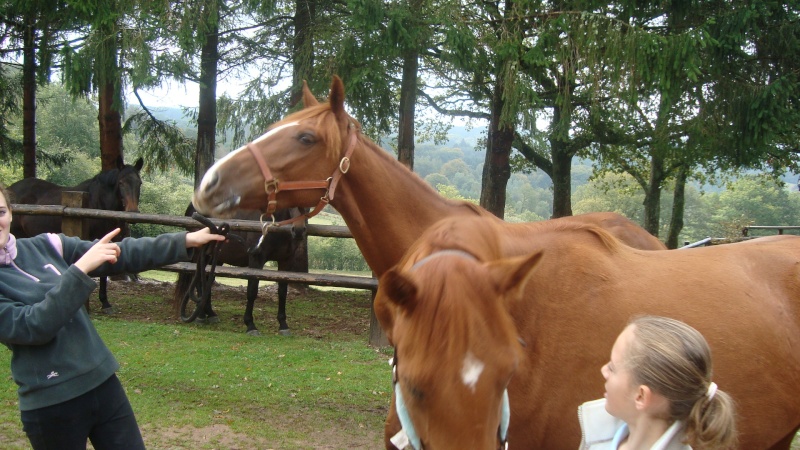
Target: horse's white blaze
[[209, 175], [471, 370]]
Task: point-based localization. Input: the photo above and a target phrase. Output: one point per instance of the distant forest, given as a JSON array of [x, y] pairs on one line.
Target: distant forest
[[718, 208]]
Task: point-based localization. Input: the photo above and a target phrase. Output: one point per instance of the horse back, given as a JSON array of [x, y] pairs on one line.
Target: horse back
[[744, 298]]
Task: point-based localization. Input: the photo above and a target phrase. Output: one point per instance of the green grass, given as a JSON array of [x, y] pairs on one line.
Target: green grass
[[317, 388]]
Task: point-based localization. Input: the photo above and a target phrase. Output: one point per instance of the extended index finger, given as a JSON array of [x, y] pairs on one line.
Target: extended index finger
[[108, 237]]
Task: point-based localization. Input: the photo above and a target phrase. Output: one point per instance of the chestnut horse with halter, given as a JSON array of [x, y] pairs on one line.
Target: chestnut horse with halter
[[317, 156], [479, 306]]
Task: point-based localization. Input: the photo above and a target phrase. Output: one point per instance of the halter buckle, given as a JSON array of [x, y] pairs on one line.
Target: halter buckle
[[271, 186], [344, 165]]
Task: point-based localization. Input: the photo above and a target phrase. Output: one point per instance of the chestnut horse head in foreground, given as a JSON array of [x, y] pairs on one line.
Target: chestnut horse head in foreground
[[479, 309]]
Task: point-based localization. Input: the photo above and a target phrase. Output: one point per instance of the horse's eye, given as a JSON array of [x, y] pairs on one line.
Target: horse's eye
[[306, 138]]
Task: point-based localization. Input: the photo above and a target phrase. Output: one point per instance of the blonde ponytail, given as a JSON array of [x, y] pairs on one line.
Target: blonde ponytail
[[674, 360], [712, 423]]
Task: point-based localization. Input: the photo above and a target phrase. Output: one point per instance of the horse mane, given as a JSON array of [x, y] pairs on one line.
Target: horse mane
[[608, 240], [480, 236]]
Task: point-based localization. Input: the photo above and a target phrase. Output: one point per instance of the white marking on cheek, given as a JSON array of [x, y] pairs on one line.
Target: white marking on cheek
[[471, 370]]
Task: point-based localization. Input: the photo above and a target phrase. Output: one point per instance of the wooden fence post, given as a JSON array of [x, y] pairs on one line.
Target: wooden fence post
[[74, 226], [377, 337]]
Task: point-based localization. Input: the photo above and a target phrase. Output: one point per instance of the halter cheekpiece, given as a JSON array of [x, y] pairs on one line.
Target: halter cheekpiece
[[272, 185]]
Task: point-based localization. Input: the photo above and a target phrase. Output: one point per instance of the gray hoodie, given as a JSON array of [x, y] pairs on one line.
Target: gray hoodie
[[57, 353]]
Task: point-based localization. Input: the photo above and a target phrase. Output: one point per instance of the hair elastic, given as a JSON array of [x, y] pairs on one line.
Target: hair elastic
[[712, 390]]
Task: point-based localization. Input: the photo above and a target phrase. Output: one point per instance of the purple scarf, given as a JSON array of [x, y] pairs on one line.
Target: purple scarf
[[9, 252]]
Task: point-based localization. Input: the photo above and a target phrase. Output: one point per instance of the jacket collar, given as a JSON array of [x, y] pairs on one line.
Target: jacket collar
[[9, 252]]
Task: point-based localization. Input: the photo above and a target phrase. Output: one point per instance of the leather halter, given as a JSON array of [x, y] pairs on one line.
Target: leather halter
[[272, 185], [408, 434]]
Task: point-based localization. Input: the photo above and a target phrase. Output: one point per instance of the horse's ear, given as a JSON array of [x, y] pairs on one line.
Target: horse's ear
[[120, 162], [511, 275], [336, 98], [308, 98], [394, 290], [139, 164], [399, 289]]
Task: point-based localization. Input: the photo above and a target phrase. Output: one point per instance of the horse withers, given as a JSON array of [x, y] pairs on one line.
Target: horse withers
[[478, 306], [113, 190], [249, 250]]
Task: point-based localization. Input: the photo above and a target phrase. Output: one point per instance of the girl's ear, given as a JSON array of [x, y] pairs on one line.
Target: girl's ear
[[642, 397], [651, 402]]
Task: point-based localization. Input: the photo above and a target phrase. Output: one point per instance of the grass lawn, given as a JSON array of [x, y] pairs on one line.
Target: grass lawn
[[214, 387]]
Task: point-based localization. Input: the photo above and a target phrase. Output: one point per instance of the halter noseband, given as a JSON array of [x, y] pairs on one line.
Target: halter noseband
[[408, 434], [272, 185]]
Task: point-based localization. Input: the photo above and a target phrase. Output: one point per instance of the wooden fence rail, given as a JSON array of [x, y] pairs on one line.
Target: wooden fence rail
[[178, 221], [331, 280], [778, 228]]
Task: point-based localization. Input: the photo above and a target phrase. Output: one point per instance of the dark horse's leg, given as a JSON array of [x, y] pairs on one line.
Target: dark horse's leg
[[252, 293], [283, 327], [106, 308], [207, 315]]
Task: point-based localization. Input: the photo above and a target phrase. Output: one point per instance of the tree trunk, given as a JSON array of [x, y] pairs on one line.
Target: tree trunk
[[302, 47], [652, 196], [497, 169], [110, 121], [110, 101], [29, 101], [302, 69], [408, 102], [207, 108], [562, 179], [678, 208]]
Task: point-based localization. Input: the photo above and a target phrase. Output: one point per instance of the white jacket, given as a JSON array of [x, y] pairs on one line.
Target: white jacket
[[602, 431]]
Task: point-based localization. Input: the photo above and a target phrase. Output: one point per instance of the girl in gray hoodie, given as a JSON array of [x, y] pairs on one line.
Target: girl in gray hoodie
[[68, 390]]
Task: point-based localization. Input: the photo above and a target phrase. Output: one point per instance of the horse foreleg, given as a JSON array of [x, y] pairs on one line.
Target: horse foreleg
[[252, 293], [106, 308], [283, 327], [207, 315]]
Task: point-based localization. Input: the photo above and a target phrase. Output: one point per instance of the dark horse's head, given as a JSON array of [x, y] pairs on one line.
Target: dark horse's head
[[119, 188]]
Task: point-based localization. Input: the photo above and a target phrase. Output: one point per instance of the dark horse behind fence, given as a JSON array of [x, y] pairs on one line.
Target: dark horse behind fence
[[113, 190], [246, 252]]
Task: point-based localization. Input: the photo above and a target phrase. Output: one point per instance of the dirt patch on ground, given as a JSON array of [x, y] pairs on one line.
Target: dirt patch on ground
[[222, 437]]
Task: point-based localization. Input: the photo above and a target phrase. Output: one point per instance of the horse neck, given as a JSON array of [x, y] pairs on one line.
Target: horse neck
[[387, 207]]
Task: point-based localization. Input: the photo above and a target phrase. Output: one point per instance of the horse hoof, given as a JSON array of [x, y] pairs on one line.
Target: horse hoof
[[253, 333], [285, 332], [109, 311], [213, 319]]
